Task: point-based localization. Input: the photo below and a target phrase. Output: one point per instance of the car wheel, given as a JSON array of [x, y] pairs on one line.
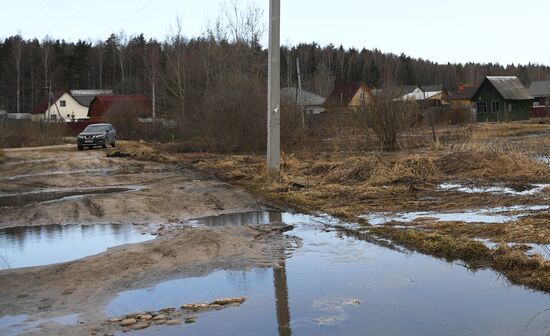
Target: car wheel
[[80, 147], [113, 144], [104, 146]]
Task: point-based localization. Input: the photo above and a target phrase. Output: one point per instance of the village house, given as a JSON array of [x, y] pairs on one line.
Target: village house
[[435, 95], [311, 103], [425, 95], [462, 98], [502, 98], [540, 90], [66, 106], [100, 105], [348, 96]]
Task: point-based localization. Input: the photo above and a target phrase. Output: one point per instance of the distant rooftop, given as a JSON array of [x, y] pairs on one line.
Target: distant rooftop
[[85, 97], [510, 87], [290, 95], [540, 89]]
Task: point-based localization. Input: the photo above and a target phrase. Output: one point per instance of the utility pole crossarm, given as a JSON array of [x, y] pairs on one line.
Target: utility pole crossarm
[[274, 89]]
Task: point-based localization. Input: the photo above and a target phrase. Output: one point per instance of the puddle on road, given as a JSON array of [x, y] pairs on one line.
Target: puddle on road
[[233, 219], [17, 325], [95, 172], [541, 249], [50, 244], [48, 195], [532, 190], [336, 284], [496, 215]]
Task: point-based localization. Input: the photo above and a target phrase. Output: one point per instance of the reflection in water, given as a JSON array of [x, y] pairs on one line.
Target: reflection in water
[[281, 301], [237, 219], [338, 285], [281, 288], [42, 245]]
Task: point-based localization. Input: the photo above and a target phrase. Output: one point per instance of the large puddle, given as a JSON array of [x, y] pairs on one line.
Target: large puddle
[[338, 285], [22, 324], [47, 195], [485, 215], [495, 189], [49, 244]]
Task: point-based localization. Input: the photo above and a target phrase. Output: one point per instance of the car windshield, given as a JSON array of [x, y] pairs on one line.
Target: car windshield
[[95, 128]]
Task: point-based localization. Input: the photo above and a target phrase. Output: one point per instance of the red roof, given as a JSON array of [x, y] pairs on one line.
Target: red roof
[[43, 105], [343, 93], [101, 104]]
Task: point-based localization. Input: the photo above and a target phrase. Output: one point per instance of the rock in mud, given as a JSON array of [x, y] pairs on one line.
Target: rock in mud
[[141, 325], [226, 301], [128, 322], [195, 306], [145, 317], [173, 322], [159, 317]]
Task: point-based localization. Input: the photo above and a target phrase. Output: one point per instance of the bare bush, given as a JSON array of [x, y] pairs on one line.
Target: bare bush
[[23, 133], [233, 118], [124, 116], [388, 118]]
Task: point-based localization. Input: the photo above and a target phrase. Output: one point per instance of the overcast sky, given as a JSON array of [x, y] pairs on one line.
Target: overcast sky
[[504, 31]]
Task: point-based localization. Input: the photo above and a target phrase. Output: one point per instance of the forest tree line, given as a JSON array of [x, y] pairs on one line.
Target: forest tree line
[[217, 77]]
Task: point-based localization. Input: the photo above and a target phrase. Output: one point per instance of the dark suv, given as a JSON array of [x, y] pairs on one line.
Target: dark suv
[[96, 135]]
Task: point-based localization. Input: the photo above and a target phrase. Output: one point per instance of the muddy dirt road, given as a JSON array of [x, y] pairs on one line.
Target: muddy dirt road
[[91, 245], [89, 188], [58, 204]]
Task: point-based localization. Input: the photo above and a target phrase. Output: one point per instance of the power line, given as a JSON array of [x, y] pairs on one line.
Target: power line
[[75, 14], [43, 14], [40, 11], [126, 18]]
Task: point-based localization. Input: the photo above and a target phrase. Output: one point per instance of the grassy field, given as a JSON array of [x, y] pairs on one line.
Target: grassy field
[[497, 166]]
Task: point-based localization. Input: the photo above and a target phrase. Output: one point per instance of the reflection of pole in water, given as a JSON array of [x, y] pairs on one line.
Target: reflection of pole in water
[[281, 289], [281, 300]]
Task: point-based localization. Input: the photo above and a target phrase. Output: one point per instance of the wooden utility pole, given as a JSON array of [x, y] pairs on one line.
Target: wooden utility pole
[[300, 100], [274, 89]]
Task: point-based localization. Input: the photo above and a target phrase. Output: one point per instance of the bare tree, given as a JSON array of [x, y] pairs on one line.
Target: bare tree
[[122, 39], [175, 77], [387, 116], [17, 55], [244, 25], [46, 55]]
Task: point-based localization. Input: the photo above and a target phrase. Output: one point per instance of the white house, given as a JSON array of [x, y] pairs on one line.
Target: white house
[[311, 102], [66, 106]]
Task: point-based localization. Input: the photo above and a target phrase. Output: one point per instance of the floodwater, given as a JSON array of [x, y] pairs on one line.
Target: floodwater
[[541, 249], [91, 172], [17, 325], [496, 189], [496, 215], [338, 285], [50, 244], [48, 195]]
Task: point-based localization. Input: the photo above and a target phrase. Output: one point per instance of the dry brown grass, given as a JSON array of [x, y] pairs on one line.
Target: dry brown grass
[[348, 185]]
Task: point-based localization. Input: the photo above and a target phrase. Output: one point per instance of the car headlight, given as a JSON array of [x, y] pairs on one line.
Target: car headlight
[[80, 136], [100, 136]]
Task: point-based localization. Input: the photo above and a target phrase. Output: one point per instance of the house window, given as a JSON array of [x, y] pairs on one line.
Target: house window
[[509, 107], [495, 107], [62, 103], [481, 107], [53, 117]]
